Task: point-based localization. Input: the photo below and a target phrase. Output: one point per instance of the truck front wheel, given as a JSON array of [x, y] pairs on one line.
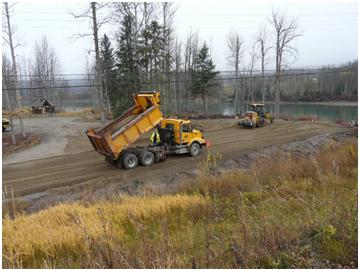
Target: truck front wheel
[[195, 149], [146, 158], [130, 161]]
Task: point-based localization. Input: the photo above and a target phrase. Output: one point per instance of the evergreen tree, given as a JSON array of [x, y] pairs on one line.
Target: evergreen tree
[[203, 74], [152, 51], [157, 46], [127, 64]]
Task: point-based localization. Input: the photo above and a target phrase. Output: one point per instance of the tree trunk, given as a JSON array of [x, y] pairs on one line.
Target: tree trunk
[[242, 90], [262, 78], [10, 108], [277, 96], [97, 64], [177, 88], [236, 88], [107, 97], [16, 81], [235, 98], [203, 97]]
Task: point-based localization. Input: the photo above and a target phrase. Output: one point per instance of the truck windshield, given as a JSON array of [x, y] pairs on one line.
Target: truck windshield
[[186, 128]]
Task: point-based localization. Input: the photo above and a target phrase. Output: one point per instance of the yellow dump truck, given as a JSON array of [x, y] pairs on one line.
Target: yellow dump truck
[[113, 140]]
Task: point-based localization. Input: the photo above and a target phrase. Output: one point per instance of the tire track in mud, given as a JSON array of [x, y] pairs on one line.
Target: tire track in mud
[[67, 170]]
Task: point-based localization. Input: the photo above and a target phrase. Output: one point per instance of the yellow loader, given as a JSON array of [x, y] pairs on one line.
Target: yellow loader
[[260, 110], [251, 120]]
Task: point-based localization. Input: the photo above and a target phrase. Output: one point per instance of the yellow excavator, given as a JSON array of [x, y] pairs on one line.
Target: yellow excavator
[[113, 140]]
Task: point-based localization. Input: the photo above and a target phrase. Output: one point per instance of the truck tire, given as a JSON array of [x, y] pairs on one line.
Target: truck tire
[[195, 149], [146, 158], [129, 161]]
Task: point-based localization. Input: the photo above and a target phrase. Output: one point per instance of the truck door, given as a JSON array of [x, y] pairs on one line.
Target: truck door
[[185, 133]]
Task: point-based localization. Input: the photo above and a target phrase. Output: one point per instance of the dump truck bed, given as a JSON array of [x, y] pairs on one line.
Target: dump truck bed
[[115, 136]]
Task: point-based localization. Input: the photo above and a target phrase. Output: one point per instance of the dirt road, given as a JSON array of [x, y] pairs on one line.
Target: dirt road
[[88, 172], [55, 134]]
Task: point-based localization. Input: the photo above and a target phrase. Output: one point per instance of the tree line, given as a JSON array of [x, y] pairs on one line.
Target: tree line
[[145, 53]]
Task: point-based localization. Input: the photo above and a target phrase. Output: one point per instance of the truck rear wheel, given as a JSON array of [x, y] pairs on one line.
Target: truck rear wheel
[[130, 161], [195, 149], [146, 158]]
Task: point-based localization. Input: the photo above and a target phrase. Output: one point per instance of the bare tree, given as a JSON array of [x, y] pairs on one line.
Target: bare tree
[[8, 102], [190, 53], [253, 57], [45, 67], [141, 15], [286, 31], [95, 29], [25, 79], [178, 61], [168, 13], [264, 48], [9, 32], [91, 13], [235, 45], [149, 11]]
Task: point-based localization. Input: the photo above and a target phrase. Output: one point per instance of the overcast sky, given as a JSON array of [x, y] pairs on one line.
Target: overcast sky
[[329, 30]]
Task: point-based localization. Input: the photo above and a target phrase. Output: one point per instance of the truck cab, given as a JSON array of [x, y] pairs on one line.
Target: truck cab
[[180, 136]]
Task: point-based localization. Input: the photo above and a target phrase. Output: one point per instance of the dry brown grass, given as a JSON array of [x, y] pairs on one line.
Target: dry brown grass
[[283, 213], [64, 230]]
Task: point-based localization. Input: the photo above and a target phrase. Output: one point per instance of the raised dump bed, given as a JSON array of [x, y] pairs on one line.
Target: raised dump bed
[[111, 139]]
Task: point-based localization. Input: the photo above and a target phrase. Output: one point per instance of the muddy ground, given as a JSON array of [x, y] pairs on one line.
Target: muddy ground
[[79, 173]]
